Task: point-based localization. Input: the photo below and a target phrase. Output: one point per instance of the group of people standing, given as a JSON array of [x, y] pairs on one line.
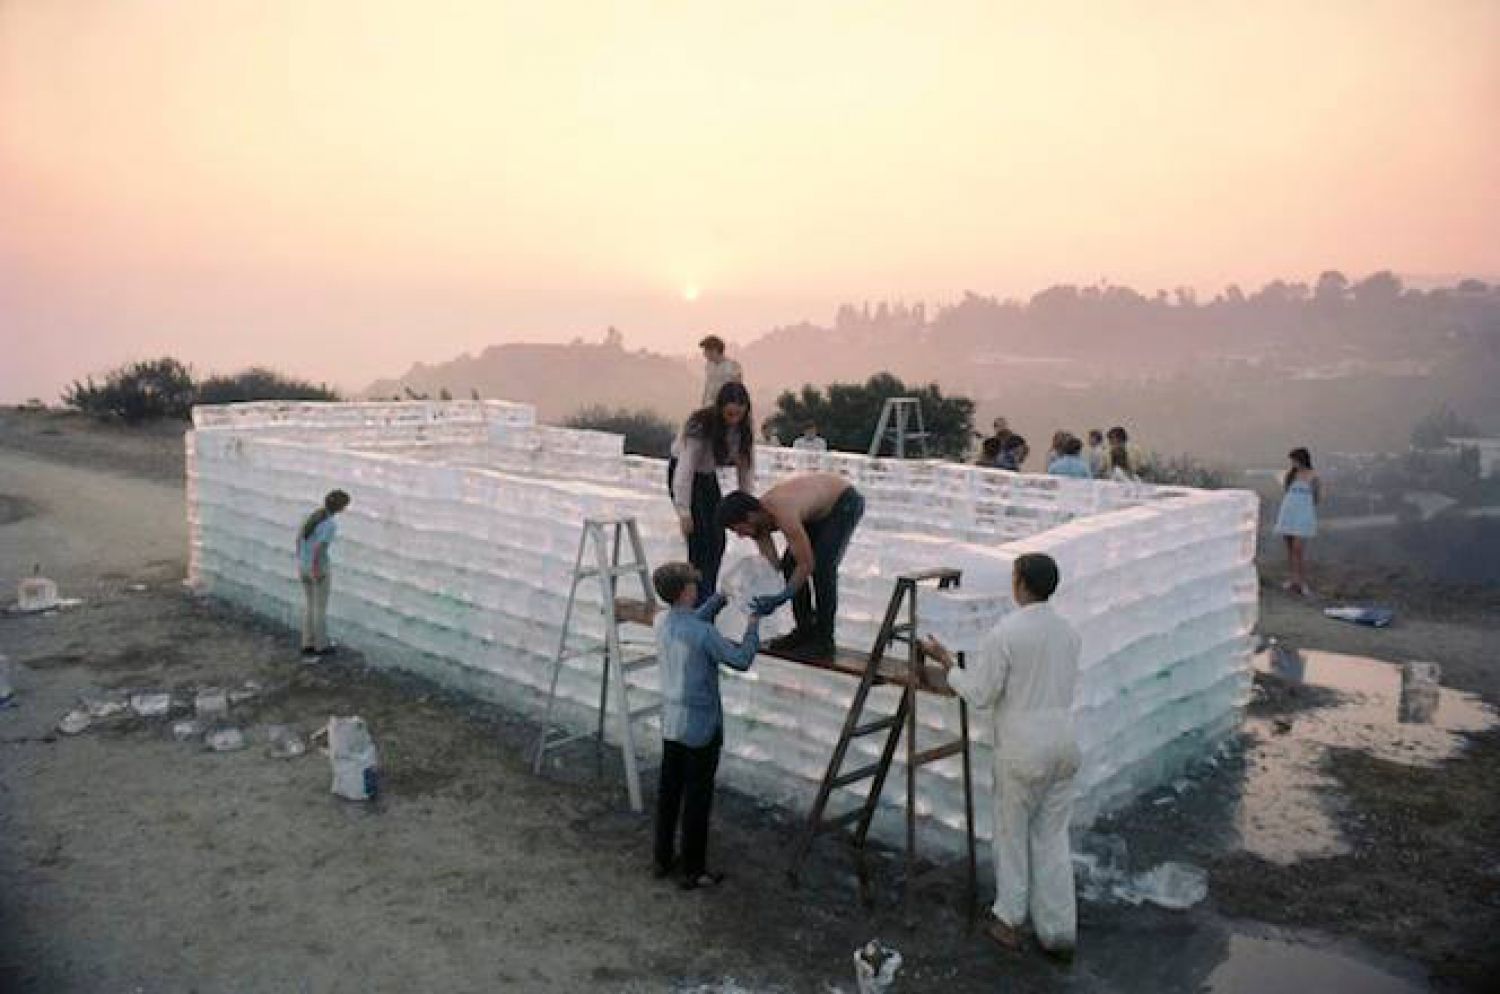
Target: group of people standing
[[1107, 455]]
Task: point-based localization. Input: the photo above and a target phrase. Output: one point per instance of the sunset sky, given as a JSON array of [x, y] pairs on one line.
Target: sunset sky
[[339, 189]]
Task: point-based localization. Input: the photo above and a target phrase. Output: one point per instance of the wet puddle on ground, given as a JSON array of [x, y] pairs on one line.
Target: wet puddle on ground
[[1252, 965], [1289, 804]]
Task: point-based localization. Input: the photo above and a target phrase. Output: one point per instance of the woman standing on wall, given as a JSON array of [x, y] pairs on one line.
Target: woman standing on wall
[[1297, 521], [719, 435], [315, 569]]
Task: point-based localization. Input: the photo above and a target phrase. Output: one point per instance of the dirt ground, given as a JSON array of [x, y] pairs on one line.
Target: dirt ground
[[129, 861]]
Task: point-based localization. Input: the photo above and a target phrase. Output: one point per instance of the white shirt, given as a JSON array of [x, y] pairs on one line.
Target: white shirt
[[717, 374], [1025, 669], [811, 443]]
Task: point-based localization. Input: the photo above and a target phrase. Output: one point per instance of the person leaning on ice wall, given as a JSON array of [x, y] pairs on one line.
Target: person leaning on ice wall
[[315, 570], [1024, 674]]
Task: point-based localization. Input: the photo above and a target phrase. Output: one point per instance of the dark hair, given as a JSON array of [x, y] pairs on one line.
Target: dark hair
[[1072, 447], [1095, 436], [1012, 441], [1119, 457], [1038, 573], [333, 503], [1303, 460], [709, 423], [1117, 434], [671, 579], [735, 508], [990, 446], [711, 342]]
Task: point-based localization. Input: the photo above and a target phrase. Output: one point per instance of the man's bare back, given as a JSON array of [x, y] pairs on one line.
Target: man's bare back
[[803, 498]]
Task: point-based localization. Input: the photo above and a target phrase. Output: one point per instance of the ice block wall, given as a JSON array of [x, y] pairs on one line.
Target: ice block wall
[[455, 560]]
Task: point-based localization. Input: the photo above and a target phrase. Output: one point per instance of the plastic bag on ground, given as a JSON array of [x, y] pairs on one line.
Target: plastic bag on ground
[[356, 761], [875, 966]]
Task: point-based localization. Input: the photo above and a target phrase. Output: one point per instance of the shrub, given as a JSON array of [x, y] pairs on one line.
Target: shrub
[[646, 434], [847, 413], [1185, 471], [140, 391], [259, 383]]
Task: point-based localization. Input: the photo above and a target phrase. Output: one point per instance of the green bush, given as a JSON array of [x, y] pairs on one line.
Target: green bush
[[646, 433], [846, 415], [139, 391], [259, 383], [1185, 471]]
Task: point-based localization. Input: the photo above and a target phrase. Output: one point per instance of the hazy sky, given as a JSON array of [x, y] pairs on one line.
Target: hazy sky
[[341, 188]]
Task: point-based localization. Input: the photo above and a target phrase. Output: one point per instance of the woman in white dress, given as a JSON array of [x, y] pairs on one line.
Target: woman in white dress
[[1297, 520]]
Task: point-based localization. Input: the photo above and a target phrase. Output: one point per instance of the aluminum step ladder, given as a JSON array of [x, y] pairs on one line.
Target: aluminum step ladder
[[621, 657], [898, 416], [913, 678]]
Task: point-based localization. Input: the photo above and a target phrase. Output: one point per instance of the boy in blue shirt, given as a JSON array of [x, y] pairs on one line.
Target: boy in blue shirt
[[689, 650]]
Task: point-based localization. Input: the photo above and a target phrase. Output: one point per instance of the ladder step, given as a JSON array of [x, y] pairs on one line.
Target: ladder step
[[863, 773], [871, 727], [624, 569], [938, 752], [839, 821], [559, 742], [645, 712]]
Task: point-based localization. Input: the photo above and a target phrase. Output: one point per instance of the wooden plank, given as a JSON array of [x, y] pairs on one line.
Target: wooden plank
[[892, 672]]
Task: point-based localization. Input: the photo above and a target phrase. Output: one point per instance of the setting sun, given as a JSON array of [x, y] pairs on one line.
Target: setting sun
[[690, 293]]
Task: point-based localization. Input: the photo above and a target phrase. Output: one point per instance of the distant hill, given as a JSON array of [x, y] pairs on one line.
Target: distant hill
[[1335, 365], [559, 379]]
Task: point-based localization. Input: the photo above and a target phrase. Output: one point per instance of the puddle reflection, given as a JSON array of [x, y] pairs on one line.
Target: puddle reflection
[[1288, 806]]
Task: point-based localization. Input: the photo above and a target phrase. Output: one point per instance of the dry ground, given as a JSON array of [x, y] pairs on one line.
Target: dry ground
[[132, 862]]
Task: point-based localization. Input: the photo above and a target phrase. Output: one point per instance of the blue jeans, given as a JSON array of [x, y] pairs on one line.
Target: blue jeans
[[815, 607]]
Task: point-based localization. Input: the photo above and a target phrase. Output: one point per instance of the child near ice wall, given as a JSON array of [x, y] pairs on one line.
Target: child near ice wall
[[689, 652], [315, 570]]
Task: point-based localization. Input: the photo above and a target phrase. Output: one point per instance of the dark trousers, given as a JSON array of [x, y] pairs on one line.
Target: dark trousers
[[815, 607], [686, 789], [705, 546]]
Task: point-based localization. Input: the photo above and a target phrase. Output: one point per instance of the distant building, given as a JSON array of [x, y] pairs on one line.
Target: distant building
[[1489, 453]]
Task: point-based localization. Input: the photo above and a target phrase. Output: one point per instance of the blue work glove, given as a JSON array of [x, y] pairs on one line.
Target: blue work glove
[[766, 603]]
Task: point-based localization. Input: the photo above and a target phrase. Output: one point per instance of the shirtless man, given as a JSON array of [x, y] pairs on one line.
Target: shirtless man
[[817, 512]]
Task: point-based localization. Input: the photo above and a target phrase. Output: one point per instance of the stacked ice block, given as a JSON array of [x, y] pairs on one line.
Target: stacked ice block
[[456, 556]]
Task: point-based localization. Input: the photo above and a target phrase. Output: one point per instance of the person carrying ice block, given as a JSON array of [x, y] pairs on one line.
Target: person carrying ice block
[[689, 651], [1024, 674], [817, 512]]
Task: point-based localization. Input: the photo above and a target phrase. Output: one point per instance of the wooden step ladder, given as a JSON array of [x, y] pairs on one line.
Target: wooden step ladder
[[621, 657], [913, 678]]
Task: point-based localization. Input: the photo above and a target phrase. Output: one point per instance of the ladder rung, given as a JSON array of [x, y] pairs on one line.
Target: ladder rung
[[863, 773], [624, 569], [871, 727], [645, 712], [558, 743], [938, 752], [630, 666], [839, 821]]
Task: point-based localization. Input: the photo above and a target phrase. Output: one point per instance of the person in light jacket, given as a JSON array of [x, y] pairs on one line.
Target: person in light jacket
[[1023, 675], [315, 570], [722, 434]]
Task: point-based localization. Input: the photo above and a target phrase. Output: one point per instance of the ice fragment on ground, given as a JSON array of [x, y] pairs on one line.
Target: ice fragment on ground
[[284, 742], [211, 702], [104, 705], [151, 705], [187, 729], [1419, 693], [225, 738], [7, 680], [1171, 885], [74, 722], [356, 761], [36, 593]]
